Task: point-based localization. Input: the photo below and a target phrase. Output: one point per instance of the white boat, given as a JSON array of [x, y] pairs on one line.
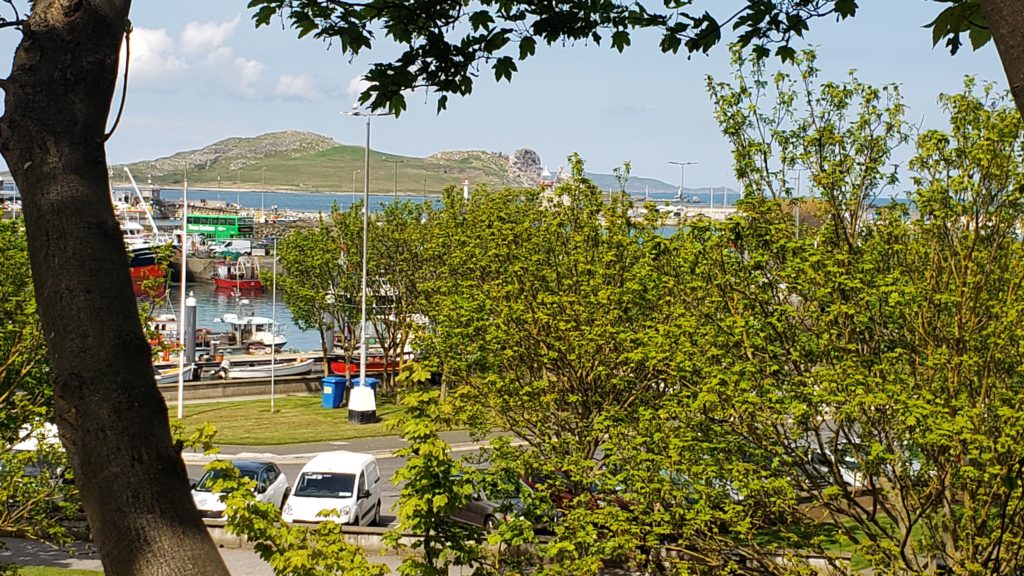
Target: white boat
[[170, 375], [292, 368], [254, 330]]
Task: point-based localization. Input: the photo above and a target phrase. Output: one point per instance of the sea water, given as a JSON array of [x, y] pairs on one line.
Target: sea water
[[212, 303]]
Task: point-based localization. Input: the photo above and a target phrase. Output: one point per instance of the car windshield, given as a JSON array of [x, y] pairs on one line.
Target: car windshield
[[325, 485], [210, 478]]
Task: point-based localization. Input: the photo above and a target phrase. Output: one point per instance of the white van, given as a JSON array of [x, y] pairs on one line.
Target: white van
[[240, 245], [346, 483]]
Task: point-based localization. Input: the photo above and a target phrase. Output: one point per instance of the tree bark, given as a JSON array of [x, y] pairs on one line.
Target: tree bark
[[1005, 19], [111, 418]]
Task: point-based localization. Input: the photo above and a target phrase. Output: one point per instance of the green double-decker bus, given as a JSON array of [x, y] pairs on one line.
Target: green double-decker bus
[[220, 226]]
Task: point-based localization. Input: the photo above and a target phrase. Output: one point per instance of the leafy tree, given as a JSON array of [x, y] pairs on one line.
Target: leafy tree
[[38, 501], [446, 50], [858, 380], [547, 315], [153, 296], [397, 264], [319, 284], [434, 485], [323, 281], [52, 137], [25, 379]]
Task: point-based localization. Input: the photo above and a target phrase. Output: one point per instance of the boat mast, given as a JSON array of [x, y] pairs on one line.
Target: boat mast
[[273, 330], [182, 278], [145, 207]]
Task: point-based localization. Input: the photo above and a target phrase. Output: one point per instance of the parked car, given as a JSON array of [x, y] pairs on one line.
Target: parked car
[[565, 493], [487, 509], [346, 483], [271, 486]]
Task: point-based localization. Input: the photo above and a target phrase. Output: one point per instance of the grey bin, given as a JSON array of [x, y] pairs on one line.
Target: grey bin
[[333, 391]]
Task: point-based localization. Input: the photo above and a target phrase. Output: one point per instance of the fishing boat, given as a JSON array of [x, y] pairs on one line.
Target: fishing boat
[[374, 365], [141, 242], [141, 256], [170, 375], [253, 370], [253, 332], [242, 275]]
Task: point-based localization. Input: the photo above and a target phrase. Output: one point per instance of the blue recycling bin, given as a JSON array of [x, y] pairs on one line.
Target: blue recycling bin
[[371, 383], [333, 390]]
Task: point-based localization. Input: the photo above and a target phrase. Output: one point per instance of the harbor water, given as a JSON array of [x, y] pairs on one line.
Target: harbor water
[[211, 304]]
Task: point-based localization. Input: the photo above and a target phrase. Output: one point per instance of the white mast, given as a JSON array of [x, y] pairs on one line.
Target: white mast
[[182, 276], [273, 330], [142, 202]]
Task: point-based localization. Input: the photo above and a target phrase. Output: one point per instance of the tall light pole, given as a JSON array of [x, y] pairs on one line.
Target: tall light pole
[[682, 176], [396, 163], [358, 413], [354, 186]]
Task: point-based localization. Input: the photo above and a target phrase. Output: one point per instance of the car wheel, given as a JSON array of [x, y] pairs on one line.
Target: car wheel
[[287, 493], [376, 515], [491, 524]]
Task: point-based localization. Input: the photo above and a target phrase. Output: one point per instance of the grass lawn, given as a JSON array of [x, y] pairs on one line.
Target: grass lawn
[[50, 571], [295, 419]]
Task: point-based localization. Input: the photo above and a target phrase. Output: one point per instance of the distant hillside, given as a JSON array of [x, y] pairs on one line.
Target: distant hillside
[[304, 161]]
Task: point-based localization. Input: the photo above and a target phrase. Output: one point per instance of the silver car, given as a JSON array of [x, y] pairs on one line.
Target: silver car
[[271, 486]]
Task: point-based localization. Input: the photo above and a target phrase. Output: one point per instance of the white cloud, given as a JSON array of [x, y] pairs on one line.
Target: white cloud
[[247, 74], [204, 37], [356, 86], [153, 59], [222, 56], [297, 87]]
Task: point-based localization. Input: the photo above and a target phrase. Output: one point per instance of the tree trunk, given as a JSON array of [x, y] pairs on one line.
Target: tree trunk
[[1005, 19], [111, 418]]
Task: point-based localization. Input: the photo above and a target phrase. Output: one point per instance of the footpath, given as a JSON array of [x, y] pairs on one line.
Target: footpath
[[82, 556]]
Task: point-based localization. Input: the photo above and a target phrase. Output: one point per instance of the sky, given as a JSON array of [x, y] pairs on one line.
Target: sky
[[201, 72]]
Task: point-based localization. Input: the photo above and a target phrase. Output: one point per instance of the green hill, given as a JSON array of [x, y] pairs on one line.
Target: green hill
[[308, 162], [304, 161]]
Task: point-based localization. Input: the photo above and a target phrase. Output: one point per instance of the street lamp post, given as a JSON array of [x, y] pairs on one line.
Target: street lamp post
[[354, 186], [396, 162], [362, 406], [682, 176]]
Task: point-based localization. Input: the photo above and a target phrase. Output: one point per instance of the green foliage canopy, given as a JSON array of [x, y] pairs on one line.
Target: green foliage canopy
[[445, 45]]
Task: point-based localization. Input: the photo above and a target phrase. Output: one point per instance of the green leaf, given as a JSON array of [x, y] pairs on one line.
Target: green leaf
[[504, 67], [846, 8], [620, 40], [480, 19], [527, 47]]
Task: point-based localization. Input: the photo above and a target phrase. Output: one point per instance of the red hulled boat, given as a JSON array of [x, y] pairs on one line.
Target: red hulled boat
[[242, 275]]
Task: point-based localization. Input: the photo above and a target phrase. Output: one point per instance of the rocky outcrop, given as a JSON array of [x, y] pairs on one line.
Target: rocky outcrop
[[524, 167]]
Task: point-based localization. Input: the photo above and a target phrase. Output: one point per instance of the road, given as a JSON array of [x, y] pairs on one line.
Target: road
[[291, 466], [290, 459]]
